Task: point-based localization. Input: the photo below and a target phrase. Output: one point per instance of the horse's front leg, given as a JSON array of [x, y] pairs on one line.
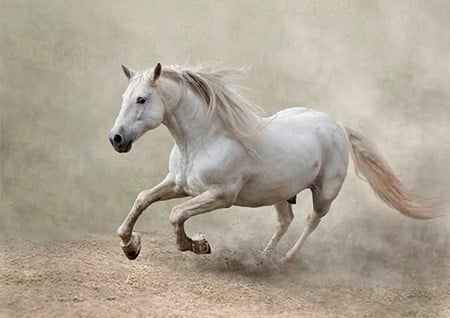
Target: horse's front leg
[[131, 241], [207, 201]]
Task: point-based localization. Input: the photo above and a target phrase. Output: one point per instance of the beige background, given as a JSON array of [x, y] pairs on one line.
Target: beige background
[[380, 66]]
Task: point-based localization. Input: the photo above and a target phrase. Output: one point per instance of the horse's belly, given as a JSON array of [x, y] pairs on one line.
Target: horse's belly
[[275, 186], [285, 173], [263, 198]]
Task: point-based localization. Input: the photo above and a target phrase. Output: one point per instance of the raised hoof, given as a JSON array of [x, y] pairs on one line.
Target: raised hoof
[[132, 255], [200, 244], [133, 247]]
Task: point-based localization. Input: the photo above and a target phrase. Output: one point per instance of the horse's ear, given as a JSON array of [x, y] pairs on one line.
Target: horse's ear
[[156, 74], [129, 73]]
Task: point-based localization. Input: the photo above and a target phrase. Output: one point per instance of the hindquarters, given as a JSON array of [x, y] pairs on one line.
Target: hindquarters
[[298, 148], [335, 157], [331, 176]]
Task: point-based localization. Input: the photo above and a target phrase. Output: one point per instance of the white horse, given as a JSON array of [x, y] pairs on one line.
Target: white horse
[[225, 154]]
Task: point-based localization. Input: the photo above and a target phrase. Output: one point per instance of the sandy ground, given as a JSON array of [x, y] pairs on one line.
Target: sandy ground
[[90, 277]]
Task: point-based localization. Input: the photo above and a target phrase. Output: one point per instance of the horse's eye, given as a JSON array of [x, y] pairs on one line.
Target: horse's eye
[[141, 100]]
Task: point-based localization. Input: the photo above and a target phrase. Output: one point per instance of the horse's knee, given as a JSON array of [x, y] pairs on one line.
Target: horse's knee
[[177, 216], [141, 200]]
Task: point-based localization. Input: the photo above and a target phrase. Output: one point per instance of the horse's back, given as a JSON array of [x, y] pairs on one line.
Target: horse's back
[[302, 127], [302, 118]]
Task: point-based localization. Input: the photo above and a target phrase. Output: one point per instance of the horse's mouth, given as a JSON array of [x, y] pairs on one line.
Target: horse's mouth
[[123, 148]]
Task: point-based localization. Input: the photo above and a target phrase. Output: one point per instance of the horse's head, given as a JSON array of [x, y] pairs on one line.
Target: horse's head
[[142, 108]]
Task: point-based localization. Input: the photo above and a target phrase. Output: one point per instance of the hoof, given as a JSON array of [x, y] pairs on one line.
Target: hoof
[[268, 259], [200, 244], [133, 247], [287, 260], [131, 255], [208, 251]]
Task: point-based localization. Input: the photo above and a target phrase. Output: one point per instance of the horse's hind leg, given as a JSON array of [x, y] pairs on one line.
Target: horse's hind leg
[[285, 216], [322, 195]]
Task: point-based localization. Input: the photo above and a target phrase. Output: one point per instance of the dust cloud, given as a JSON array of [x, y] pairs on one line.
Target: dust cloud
[[381, 67]]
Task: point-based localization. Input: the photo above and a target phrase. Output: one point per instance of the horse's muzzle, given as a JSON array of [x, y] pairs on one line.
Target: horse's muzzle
[[119, 143]]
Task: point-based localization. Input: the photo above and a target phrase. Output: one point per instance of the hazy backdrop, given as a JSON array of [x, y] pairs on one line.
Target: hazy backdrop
[[380, 66]]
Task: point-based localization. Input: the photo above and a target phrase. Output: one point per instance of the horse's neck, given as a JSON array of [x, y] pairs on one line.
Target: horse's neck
[[187, 120]]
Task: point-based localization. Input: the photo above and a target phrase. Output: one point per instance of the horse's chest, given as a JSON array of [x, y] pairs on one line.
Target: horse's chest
[[197, 171], [186, 179], [188, 183]]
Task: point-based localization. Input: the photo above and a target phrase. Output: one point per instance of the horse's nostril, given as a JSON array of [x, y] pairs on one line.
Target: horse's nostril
[[117, 139]]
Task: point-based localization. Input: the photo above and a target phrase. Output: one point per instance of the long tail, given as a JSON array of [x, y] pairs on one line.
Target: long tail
[[376, 171]]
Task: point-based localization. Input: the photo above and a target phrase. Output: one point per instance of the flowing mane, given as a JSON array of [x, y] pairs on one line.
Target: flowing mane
[[239, 117]]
